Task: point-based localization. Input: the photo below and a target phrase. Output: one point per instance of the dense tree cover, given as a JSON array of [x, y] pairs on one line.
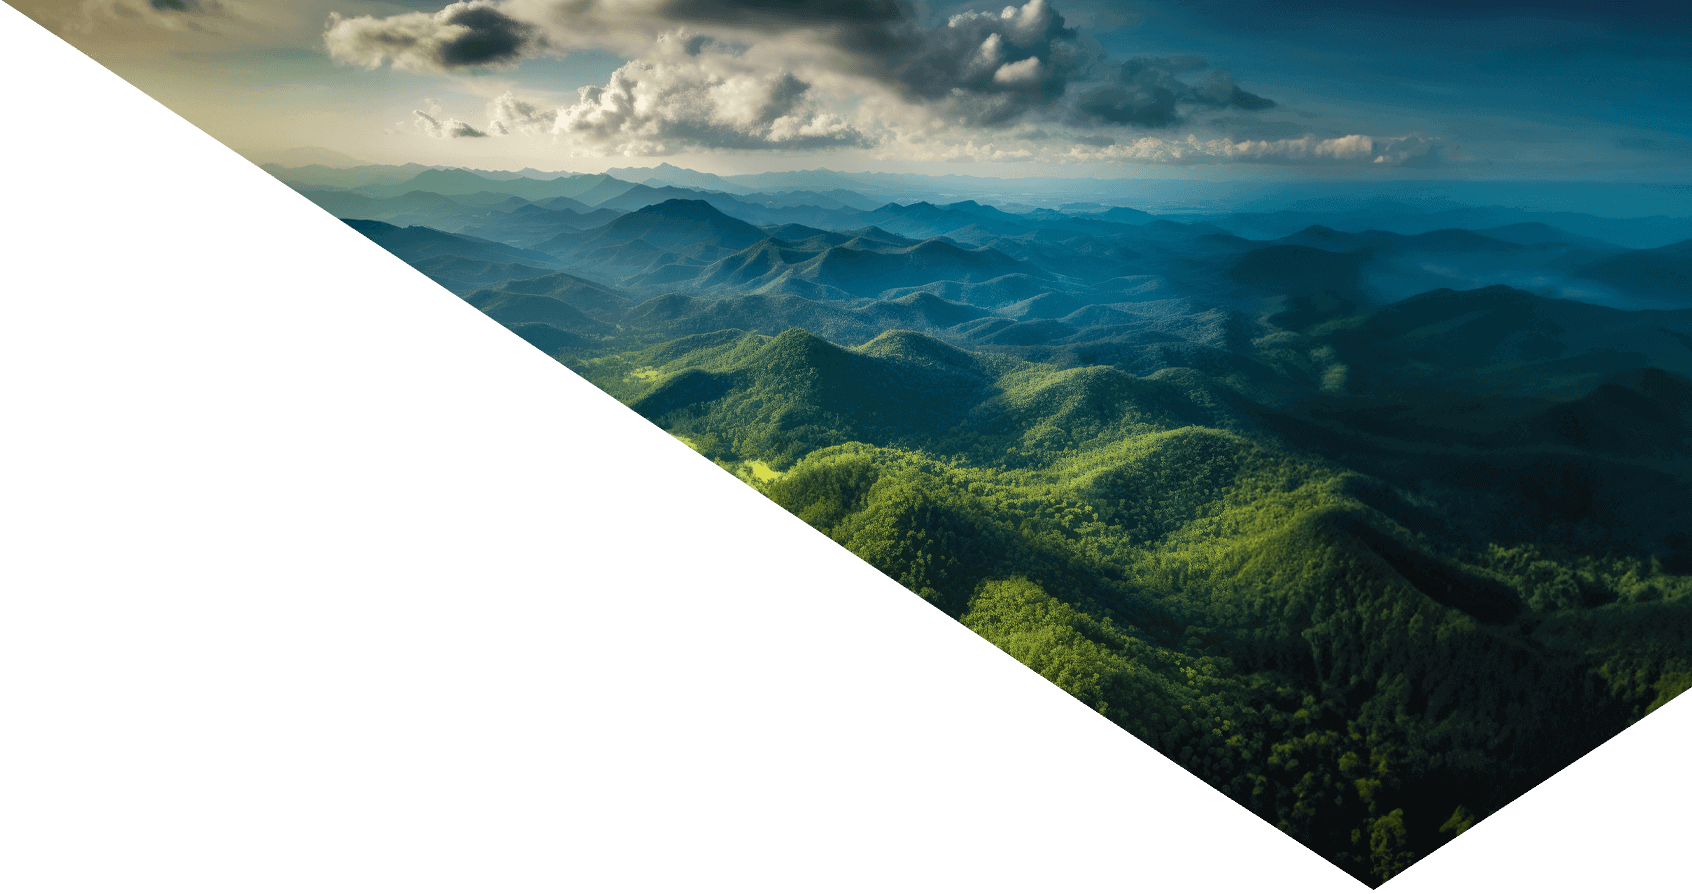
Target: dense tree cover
[[1368, 662]]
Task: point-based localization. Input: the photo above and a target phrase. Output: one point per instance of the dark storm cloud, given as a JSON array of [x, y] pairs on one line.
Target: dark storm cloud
[[206, 7], [985, 68], [1147, 93], [471, 34], [493, 38], [1219, 89], [786, 15], [976, 69]]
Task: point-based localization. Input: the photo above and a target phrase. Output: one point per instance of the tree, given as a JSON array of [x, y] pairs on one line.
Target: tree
[[1460, 821]]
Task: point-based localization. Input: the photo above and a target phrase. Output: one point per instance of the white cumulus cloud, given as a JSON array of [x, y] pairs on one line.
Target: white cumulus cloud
[[433, 123], [509, 115], [688, 96]]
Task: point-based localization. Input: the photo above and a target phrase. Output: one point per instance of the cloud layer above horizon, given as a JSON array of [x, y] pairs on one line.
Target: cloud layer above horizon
[[1277, 88], [1016, 83]]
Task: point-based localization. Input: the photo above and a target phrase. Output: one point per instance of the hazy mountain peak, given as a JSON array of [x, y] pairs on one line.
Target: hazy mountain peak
[[315, 155], [1496, 295]]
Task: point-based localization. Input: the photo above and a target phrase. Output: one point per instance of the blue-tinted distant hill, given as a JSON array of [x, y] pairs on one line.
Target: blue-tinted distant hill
[[1382, 266], [596, 190], [1508, 340], [527, 225], [873, 271], [464, 275], [565, 203], [1639, 233], [925, 220], [667, 174], [457, 182], [1002, 293], [790, 181], [1101, 212], [1662, 274], [559, 300], [416, 245], [416, 205], [833, 199], [1645, 412], [641, 195], [690, 246], [672, 224], [1382, 242], [321, 176], [1531, 233], [1304, 271]]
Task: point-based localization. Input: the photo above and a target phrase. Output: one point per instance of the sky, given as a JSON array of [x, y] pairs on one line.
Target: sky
[[1207, 89]]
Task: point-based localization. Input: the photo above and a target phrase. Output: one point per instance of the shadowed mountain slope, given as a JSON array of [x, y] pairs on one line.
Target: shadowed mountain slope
[[1512, 340], [418, 244], [1663, 274], [462, 275], [1303, 270], [673, 224], [1642, 412]]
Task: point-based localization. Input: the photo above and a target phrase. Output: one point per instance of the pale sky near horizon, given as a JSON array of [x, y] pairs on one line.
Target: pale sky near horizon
[[1283, 89]]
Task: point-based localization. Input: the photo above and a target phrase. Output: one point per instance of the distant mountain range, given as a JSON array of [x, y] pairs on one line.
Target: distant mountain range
[[841, 246]]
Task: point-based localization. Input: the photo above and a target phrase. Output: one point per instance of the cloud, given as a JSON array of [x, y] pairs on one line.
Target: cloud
[[441, 128], [1414, 150], [508, 115], [981, 68], [1147, 93], [465, 35], [687, 97], [1256, 127], [779, 74], [1219, 89], [774, 16], [1652, 144], [173, 15], [1059, 146]]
